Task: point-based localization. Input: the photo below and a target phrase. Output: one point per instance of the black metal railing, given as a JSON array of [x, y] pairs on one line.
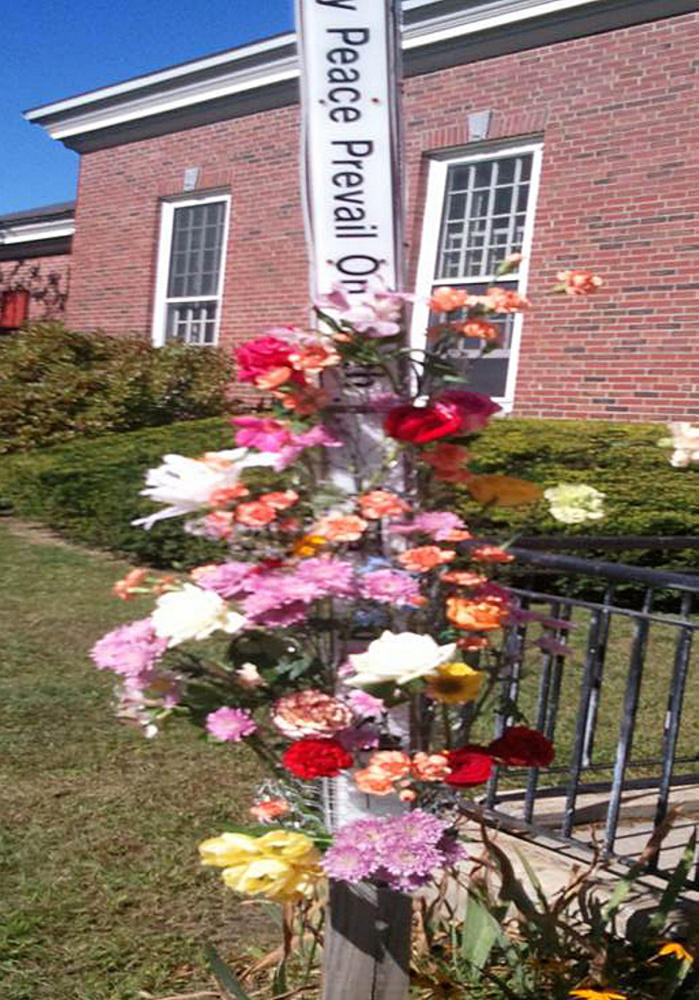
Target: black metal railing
[[627, 739]]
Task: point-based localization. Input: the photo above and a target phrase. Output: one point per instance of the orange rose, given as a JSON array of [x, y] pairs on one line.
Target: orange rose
[[504, 490], [425, 558], [478, 616], [381, 503], [341, 527], [255, 514]]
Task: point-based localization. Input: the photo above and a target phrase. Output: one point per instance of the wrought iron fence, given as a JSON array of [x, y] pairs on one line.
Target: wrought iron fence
[[627, 738]]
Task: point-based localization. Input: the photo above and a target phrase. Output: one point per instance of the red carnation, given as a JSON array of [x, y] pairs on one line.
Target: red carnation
[[420, 424], [470, 765], [523, 747], [310, 759], [474, 408], [262, 355]]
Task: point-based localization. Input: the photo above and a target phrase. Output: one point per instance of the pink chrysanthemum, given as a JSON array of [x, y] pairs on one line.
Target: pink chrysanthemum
[[230, 725], [129, 650], [389, 587]]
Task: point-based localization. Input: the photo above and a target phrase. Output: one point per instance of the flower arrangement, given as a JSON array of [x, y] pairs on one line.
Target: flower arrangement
[[355, 629]]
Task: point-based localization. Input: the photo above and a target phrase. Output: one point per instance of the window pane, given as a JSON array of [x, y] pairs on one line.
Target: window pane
[[197, 243], [483, 222], [191, 323]]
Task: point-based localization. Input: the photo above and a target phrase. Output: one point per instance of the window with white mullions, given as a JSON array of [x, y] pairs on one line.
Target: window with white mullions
[[191, 261], [479, 211]]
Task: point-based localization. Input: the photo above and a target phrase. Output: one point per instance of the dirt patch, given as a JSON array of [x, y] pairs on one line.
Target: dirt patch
[[38, 534]]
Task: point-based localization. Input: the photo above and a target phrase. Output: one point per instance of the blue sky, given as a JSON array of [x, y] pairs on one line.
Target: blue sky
[[58, 48]]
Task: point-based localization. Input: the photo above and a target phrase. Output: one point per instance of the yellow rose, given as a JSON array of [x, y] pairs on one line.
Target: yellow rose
[[455, 683], [281, 865], [505, 490]]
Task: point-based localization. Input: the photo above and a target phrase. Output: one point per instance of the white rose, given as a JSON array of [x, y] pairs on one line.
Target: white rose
[[398, 658], [192, 613]]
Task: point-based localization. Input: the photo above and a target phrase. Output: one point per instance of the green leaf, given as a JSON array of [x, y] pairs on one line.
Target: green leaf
[[224, 976], [480, 932], [674, 887]]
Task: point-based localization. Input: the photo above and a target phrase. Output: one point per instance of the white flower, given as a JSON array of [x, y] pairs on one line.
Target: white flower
[[574, 503], [192, 613], [398, 658], [186, 484], [685, 441]]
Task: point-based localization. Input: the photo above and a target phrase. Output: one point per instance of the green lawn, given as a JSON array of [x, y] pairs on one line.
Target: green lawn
[[102, 896]]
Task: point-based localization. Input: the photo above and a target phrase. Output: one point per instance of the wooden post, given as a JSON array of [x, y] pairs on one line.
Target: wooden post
[[367, 943]]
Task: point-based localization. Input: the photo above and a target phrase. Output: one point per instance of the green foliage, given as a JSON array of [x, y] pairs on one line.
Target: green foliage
[[89, 491], [518, 941], [57, 384], [645, 495]]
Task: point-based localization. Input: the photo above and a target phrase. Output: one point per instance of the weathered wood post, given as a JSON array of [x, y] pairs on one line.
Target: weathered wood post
[[349, 53]]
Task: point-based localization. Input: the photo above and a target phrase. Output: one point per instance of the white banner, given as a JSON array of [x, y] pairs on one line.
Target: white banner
[[348, 50]]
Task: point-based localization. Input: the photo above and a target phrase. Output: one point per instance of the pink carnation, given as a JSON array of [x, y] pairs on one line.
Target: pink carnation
[[389, 587], [261, 432], [230, 725]]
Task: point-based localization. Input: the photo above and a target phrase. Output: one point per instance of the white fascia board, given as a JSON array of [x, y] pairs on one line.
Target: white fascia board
[[77, 115], [32, 231]]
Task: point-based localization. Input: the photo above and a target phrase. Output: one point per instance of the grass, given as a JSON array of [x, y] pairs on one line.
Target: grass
[[103, 897]]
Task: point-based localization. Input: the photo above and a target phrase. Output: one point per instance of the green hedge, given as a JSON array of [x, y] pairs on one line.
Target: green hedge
[[88, 490], [57, 385]]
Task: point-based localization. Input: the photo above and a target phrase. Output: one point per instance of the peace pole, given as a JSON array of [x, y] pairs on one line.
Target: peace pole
[[349, 52]]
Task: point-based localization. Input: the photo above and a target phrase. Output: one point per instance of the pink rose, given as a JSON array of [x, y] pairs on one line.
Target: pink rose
[[262, 355]]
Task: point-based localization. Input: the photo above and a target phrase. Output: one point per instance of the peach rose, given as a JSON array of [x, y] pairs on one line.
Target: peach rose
[[373, 782], [394, 763], [504, 300], [430, 766], [579, 282], [425, 558]]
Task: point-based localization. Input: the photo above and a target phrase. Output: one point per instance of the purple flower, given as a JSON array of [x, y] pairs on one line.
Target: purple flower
[[403, 851], [230, 724], [129, 650], [363, 703], [332, 577], [389, 587], [228, 580]]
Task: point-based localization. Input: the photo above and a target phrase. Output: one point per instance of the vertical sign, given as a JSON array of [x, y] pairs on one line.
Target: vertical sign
[[349, 54]]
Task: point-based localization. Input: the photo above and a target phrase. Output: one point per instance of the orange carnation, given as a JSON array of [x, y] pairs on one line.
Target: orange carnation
[[463, 578], [478, 616], [504, 300], [304, 400], [381, 503], [270, 809], [480, 328], [425, 558], [447, 299], [341, 527], [579, 282], [255, 514], [373, 782], [314, 358], [490, 554], [281, 500], [430, 766], [446, 457], [126, 588], [222, 497]]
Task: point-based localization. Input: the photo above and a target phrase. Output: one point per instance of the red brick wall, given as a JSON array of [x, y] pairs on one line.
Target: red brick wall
[[619, 116], [47, 299]]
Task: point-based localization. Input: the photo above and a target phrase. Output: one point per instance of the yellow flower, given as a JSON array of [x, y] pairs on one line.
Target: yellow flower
[[308, 545], [601, 994], [455, 683], [677, 951], [281, 865], [505, 490]]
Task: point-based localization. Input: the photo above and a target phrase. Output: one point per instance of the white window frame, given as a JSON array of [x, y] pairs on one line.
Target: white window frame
[[431, 233], [161, 300]]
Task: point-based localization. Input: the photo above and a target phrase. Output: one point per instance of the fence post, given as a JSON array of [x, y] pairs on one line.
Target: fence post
[[367, 943]]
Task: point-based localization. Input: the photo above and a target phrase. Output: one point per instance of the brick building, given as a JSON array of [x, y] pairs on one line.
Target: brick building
[[565, 128], [35, 248]]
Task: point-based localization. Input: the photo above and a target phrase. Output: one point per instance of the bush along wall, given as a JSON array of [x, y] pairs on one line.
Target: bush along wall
[[57, 385], [88, 490]]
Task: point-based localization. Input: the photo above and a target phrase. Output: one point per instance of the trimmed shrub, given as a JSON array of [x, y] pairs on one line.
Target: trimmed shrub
[[89, 490], [57, 384], [645, 495]]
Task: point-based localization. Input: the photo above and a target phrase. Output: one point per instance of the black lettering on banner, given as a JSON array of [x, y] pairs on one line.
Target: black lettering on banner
[[345, 114], [338, 4], [351, 36], [360, 270], [339, 75]]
